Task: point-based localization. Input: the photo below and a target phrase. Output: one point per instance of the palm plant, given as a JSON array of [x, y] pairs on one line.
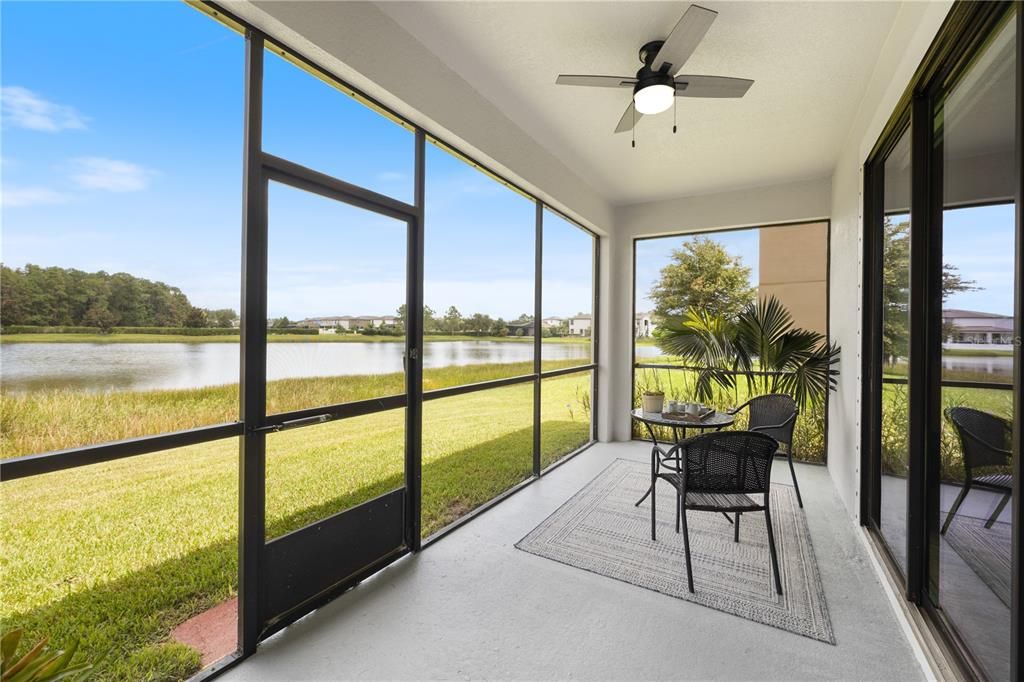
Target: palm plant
[[761, 344]]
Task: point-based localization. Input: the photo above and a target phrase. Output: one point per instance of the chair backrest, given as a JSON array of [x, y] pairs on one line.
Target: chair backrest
[[984, 437], [771, 409], [729, 462]]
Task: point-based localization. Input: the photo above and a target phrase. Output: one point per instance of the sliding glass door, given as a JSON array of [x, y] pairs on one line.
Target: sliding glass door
[[942, 279], [968, 467]]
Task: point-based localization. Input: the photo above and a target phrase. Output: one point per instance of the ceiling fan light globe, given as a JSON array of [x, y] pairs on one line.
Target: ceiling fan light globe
[[654, 99]]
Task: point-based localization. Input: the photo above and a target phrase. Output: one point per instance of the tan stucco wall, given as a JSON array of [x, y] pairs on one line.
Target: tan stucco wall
[[794, 268]]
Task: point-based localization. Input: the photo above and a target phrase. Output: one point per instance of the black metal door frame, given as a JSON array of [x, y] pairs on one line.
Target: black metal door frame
[[279, 579]]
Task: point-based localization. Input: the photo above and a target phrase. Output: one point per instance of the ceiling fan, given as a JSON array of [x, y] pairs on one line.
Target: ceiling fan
[[658, 83]]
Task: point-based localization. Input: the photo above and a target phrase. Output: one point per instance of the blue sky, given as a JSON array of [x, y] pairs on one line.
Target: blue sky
[[654, 254], [979, 242], [121, 151]]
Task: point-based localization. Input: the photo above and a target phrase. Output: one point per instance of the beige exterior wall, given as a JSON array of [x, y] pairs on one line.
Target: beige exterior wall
[[794, 268]]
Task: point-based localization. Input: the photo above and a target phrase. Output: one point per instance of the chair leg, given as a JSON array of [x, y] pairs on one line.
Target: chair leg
[[998, 511], [956, 506], [653, 496], [679, 509], [771, 549], [686, 551], [792, 471], [736, 529], [654, 467]]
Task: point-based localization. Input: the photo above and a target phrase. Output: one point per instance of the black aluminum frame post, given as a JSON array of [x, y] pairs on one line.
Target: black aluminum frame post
[[414, 354], [253, 349], [1017, 509], [932, 398], [538, 303], [923, 244], [871, 351], [595, 336]]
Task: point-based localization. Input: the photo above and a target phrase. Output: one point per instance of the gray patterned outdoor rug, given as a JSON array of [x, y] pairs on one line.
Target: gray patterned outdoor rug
[[985, 550], [600, 530]]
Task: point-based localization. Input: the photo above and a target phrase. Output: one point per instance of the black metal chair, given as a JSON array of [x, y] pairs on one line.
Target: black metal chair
[[985, 442], [775, 415], [718, 472]]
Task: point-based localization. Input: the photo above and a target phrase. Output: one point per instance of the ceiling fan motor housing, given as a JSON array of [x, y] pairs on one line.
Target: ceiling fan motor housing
[[646, 76]]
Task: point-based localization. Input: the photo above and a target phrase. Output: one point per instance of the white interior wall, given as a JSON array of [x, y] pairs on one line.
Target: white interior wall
[[913, 30], [758, 206]]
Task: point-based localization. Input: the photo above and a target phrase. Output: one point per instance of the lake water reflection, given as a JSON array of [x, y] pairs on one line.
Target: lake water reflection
[[147, 366]]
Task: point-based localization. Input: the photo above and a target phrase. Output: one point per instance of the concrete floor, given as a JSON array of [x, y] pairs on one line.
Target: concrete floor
[[474, 607]]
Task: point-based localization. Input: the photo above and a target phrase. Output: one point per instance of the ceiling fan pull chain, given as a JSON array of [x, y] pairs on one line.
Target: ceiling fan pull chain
[[634, 127], [675, 102]]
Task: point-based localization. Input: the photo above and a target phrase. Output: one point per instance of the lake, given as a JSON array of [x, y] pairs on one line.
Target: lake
[[148, 366], [1000, 366]]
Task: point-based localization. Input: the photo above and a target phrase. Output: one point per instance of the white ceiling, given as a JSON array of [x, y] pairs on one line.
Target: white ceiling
[[811, 63]]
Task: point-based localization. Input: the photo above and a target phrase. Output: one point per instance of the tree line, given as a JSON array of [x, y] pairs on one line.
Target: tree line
[[702, 275], [55, 296], [454, 322]]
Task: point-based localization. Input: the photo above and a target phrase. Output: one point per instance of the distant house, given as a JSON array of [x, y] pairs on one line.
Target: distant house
[[551, 322], [644, 325], [974, 327], [580, 325], [367, 321], [328, 324]]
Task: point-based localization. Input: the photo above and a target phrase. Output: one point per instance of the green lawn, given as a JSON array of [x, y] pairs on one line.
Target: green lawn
[[272, 338], [117, 554], [978, 353]]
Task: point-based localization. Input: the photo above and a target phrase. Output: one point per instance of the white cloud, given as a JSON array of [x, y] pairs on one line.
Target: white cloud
[[12, 196], [23, 108], [94, 172]]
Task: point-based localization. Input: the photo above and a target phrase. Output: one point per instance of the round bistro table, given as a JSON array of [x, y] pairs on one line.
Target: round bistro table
[[716, 421]]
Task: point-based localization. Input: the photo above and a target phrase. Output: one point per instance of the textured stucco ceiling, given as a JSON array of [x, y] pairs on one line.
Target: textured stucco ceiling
[[811, 63]]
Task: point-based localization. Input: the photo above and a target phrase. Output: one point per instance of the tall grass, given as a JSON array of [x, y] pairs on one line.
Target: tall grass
[[43, 421], [895, 424], [679, 384]]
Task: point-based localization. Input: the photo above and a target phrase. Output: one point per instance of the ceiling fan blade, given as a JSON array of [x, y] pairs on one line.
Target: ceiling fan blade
[[711, 86], [684, 39], [628, 119], [597, 81]]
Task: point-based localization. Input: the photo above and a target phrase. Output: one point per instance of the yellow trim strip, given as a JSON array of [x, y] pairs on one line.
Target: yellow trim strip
[[217, 16]]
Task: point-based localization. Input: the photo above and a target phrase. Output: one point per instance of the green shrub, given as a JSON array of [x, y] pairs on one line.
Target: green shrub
[[159, 331], [36, 329], [178, 331], [39, 663]]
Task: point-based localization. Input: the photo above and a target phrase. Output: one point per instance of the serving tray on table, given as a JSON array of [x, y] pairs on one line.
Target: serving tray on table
[[689, 418]]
